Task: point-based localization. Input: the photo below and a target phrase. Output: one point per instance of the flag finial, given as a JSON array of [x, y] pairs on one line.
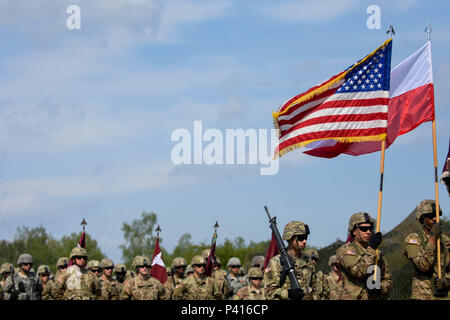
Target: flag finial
[[158, 230], [428, 31], [216, 226], [390, 31], [83, 223]]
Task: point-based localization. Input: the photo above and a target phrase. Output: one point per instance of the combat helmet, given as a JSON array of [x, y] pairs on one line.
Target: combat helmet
[[255, 272], [6, 267], [205, 253], [179, 262], [142, 261], [312, 254], [78, 252], [234, 261], [198, 260], [63, 261], [189, 270], [120, 268], [24, 258], [425, 207], [92, 264], [294, 228], [357, 218], [258, 261], [43, 269], [332, 260]]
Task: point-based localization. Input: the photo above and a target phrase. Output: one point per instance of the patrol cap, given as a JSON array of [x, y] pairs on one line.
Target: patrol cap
[[63, 261], [78, 252], [357, 218], [258, 261], [43, 269], [234, 261], [426, 207], [198, 260], [25, 258], [332, 260], [179, 262], [255, 272], [120, 268], [294, 228], [106, 263], [312, 254]]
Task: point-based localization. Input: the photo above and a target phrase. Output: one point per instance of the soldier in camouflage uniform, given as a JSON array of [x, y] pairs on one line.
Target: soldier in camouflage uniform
[[77, 282], [258, 261], [120, 271], [189, 270], [420, 248], [334, 279], [254, 291], [198, 286], [176, 274], [234, 277], [296, 233], [94, 267], [323, 290], [44, 283], [358, 257], [108, 285], [5, 271], [219, 275], [25, 281], [143, 286]]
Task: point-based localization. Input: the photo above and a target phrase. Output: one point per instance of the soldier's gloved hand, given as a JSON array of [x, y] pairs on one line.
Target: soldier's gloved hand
[[296, 294], [21, 286], [441, 284], [436, 230], [375, 240]]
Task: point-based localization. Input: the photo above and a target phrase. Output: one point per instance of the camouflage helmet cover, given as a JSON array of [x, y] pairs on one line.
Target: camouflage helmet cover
[[217, 260], [63, 261], [78, 252], [120, 267], [93, 264], [198, 260], [25, 258], [179, 261], [106, 263], [312, 254], [357, 218], [189, 269], [205, 253], [6, 267], [332, 260], [258, 260], [234, 261], [142, 261], [294, 228], [43, 269], [255, 272], [425, 207]]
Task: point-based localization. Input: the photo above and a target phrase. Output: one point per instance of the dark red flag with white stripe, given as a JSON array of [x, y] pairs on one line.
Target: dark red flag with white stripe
[[158, 269]]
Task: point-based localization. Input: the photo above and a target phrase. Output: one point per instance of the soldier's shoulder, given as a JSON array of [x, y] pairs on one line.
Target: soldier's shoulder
[[412, 238], [243, 292]]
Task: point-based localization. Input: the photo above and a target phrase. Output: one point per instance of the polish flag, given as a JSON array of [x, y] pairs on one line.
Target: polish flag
[[411, 103], [158, 269]]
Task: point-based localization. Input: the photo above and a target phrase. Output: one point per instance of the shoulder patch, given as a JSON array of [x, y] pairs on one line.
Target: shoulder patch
[[267, 269], [413, 241], [350, 252]]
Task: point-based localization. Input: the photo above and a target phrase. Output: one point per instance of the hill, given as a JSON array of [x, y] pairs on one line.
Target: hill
[[399, 266]]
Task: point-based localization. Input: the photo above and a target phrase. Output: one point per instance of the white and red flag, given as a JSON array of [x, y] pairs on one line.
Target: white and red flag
[[411, 103], [158, 269]]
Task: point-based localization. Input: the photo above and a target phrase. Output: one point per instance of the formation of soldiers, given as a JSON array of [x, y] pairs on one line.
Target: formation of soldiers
[[358, 271]]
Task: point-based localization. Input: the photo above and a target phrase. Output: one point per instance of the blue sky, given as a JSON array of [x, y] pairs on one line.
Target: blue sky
[[86, 116]]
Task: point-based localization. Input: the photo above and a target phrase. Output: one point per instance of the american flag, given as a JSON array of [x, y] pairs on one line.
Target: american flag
[[349, 107]]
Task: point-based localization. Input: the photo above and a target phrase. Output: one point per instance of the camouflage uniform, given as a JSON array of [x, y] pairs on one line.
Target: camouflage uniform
[[25, 285], [235, 282], [304, 268], [249, 292], [138, 288], [118, 269], [173, 280], [423, 256], [334, 281], [203, 288], [108, 287], [44, 289], [355, 259], [76, 283], [5, 268], [323, 290]]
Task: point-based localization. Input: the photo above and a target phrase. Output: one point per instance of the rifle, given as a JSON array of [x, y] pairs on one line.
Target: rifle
[[13, 289], [286, 261]]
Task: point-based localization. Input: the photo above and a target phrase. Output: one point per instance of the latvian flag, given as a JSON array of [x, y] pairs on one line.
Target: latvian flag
[[349, 107], [158, 269]]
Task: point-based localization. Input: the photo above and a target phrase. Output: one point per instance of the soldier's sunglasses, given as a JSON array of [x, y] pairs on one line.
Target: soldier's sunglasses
[[63, 267], [235, 266], [301, 238], [256, 278], [430, 216], [365, 228], [108, 268], [180, 267], [27, 264], [200, 265]]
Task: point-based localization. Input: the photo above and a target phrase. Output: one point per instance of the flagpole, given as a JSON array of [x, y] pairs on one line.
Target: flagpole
[[436, 184]]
